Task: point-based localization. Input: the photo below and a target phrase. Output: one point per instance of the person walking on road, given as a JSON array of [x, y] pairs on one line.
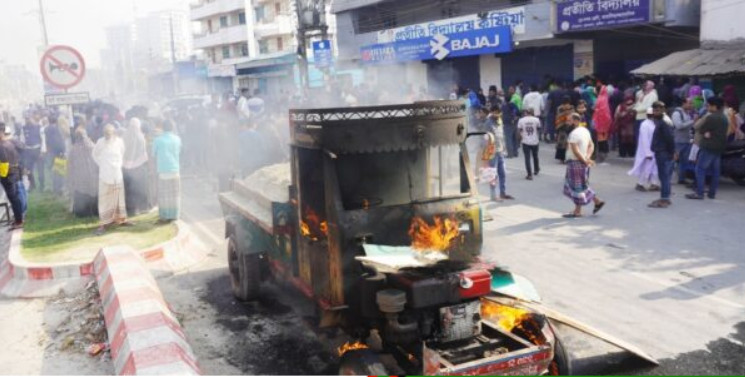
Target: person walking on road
[[624, 127], [663, 146], [577, 179], [645, 168], [11, 175], [712, 133], [495, 126], [109, 155], [528, 128], [167, 152], [563, 127], [603, 121], [683, 119]]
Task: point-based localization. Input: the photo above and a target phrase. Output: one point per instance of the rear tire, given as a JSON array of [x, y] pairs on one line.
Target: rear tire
[[561, 365], [364, 362], [740, 181], [245, 272]]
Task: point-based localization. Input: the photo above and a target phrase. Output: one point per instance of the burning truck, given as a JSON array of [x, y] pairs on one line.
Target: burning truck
[[376, 219]]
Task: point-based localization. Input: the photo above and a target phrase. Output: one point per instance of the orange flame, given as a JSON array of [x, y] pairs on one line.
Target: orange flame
[[312, 227], [351, 347], [507, 317], [436, 237], [511, 318]]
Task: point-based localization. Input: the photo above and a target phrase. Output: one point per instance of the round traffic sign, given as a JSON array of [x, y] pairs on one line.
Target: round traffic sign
[[62, 66]]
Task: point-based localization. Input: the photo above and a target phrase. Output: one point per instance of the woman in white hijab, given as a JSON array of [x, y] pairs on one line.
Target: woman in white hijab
[[135, 169], [109, 156]]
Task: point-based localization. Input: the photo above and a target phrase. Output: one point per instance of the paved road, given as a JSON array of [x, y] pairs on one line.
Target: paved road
[[670, 281]]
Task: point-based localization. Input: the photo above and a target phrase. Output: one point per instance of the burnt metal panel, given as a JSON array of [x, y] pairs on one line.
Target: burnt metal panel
[[380, 128]]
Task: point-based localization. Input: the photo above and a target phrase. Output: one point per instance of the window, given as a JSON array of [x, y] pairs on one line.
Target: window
[[374, 19], [242, 18], [263, 47], [209, 26], [225, 52], [277, 8], [259, 12], [244, 49], [223, 21], [280, 47]]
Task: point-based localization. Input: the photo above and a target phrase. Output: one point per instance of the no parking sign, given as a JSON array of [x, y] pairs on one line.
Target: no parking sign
[[62, 67]]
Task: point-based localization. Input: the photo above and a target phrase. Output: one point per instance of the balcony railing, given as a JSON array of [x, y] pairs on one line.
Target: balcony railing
[[279, 25], [223, 36], [203, 10]]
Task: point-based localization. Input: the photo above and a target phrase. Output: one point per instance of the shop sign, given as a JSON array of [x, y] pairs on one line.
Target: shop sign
[[600, 14], [511, 17], [441, 46], [221, 70]]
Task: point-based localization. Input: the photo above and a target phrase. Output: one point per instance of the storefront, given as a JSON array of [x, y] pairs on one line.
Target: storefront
[[268, 74], [625, 34], [438, 54], [490, 47]]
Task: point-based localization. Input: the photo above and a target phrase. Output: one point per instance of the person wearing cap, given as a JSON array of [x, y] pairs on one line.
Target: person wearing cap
[[11, 176], [663, 146], [645, 167]]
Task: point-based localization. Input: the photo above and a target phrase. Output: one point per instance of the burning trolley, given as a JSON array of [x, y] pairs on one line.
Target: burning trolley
[[375, 218]]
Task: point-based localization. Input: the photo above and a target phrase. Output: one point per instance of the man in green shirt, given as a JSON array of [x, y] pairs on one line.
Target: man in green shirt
[[711, 130]]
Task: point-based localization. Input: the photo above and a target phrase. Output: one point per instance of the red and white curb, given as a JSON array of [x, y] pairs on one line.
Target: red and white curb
[[19, 278], [145, 336]]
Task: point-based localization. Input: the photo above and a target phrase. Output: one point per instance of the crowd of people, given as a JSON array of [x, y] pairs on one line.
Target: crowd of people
[[107, 164], [116, 165], [660, 126]]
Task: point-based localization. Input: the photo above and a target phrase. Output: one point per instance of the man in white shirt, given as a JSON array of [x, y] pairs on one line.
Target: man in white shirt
[[578, 162], [534, 101], [242, 105], [528, 128]]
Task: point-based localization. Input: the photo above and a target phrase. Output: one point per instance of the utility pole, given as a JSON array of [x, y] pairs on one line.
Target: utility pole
[[174, 72], [303, 29], [43, 23]]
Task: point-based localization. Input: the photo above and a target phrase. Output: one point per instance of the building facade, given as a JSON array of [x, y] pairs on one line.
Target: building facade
[[538, 39], [253, 44]]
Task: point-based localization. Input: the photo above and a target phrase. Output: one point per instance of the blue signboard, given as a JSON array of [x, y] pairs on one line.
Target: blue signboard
[[583, 15], [441, 46], [322, 54]]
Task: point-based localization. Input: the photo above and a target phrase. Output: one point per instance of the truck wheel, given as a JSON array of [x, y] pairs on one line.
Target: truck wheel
[[245, 272], [561, 365], [364, 362]]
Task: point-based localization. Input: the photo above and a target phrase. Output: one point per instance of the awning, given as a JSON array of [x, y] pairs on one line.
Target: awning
[[280, 58], [698, 62], [345, 5]]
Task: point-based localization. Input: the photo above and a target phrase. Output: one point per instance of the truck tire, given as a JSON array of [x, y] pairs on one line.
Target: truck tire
[[364, 362], [245, 272], [561, 365]]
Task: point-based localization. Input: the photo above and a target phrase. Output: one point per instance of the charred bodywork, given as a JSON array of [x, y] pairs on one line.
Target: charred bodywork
[[370, 179]]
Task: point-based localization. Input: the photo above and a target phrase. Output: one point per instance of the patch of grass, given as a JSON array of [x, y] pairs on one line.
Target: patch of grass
[[52, 233]]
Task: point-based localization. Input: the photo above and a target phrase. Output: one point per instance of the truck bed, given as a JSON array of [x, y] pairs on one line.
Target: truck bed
[[253, 196]]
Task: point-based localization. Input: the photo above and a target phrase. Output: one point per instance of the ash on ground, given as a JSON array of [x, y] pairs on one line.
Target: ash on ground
[[75, 324]]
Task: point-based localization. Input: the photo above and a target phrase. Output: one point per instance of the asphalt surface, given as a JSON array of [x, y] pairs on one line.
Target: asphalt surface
[[671, 281]]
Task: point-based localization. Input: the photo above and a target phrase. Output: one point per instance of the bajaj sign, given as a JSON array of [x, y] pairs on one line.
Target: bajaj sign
[[441, 46]]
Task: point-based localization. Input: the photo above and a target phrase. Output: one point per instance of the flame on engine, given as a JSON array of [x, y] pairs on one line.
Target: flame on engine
[[351, 347], [312, 227], [435, 237], [512, 319], [505, 316]]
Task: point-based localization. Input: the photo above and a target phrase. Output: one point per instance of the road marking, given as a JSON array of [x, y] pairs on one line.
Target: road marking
[[203, 229], [685, 290]]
